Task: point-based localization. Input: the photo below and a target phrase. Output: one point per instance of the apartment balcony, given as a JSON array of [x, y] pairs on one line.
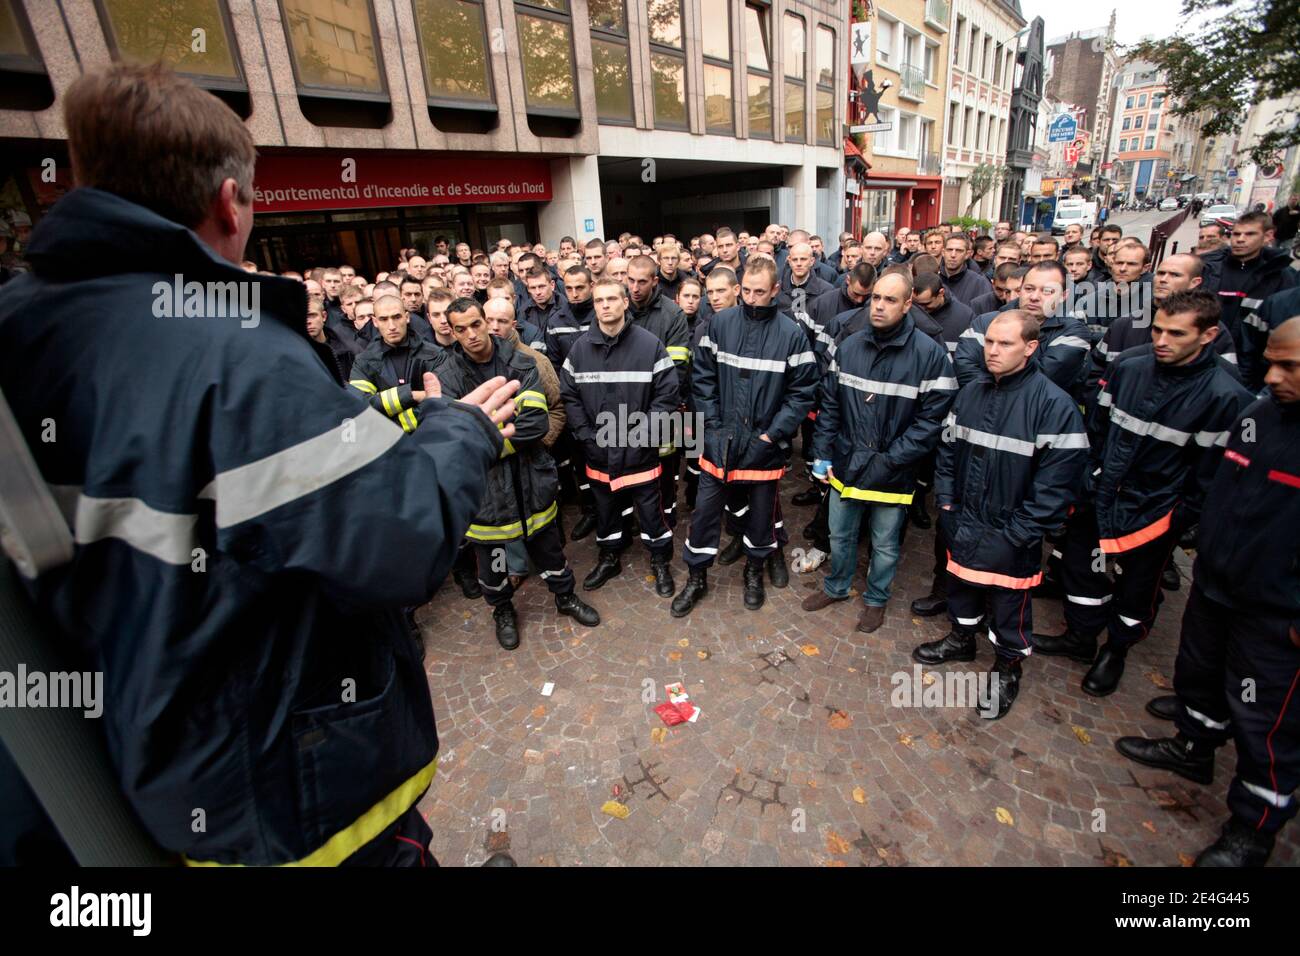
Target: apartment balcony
[[930, 164], [912, 85], [937, 14]]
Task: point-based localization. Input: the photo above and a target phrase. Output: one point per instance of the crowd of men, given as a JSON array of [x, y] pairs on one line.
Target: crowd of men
[[1067, 394], [245, 506]]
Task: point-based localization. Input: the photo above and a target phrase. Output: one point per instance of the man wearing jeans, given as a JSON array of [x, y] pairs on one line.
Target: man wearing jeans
[[884, 398]]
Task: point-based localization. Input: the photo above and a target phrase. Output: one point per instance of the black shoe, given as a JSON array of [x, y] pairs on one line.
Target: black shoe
[[1239, 845], [810, 497], [469, 585], [754, 594], [585, 526], [500, 859], [664, 586], [1178, 754], [1103, 677], [777, 571], [1004, 682], [697, 585], [733, 552], [955, 646], [1170, 579], [607, 566], [1188, 541], [1166, 708], [916, 510], [1074, 646], [507, 626], [572, 605], [933, 604]]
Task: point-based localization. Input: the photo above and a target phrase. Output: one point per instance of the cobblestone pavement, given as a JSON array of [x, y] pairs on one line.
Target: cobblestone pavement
[[798, 757]]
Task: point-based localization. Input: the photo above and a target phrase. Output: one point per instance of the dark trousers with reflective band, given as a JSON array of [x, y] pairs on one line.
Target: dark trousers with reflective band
[[1009, 613], [1259, 697], [578, 462], [737, 513], [672, 465], [645, 498], [757, 519], [1127, 608], [546, 552], [405, 842]]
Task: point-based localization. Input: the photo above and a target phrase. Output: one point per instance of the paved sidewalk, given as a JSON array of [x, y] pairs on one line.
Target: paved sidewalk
[[798, 757]]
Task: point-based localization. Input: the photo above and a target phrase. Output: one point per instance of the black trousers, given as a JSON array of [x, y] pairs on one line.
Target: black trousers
[[1127, 608], [646, 499], [405, 842], [1238, 673], [1008, 611], [545, 551], [756, 519], [578, 466], [672, 465]]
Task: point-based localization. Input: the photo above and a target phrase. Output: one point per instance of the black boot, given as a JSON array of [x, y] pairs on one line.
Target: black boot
[[1187, 758], [663, 573], [754, 593], [1004, 685], [469, 586], [1170, 579], [732, 552], [810, 497], [1070, 644], [585, 526], [507, 625], [1103, 677], [916, 510], [957, 645], [777, 571], [934, 603], [607, 566], [572, 605], [1166, 708], [1239, 845], [697, 585]]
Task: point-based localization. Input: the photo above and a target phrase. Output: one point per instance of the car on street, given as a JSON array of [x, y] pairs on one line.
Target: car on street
[[1218, 213], [1166, 205]]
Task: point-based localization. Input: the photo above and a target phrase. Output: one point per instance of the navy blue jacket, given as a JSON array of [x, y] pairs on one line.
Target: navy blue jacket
[[967, 285]]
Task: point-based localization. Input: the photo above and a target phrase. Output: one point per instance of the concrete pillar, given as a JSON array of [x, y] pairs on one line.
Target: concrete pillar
[[803, 180], [574, 209]]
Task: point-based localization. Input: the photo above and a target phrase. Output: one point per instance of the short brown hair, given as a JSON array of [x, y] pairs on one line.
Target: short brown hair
[[1029, 324], [1201, 305], [156, 139]]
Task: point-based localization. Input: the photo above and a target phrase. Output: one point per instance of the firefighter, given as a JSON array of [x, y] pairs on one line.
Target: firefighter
[[388, 370]]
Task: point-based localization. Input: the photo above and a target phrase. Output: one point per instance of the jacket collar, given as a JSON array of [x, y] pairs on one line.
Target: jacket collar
[[757, 313], [1015, 380]]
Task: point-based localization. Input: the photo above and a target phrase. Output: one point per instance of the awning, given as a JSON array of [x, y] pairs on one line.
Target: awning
[[889, 184]]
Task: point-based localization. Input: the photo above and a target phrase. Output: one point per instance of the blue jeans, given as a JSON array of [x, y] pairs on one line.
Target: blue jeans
[[886, 529]]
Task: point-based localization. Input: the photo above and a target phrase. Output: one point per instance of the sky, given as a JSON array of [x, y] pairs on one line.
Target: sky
[[1133, 21]]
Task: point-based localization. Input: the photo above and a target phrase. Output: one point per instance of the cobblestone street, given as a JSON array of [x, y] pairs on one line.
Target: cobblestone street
[[798, 757]]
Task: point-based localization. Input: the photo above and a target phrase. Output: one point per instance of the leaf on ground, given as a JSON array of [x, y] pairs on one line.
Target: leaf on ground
[[836, 863], [836, 843], [1160, 680], [539, 711], [674, 655], [703, 655], [684, 642], [906, 740], [1083, 735], [575, 642], [615, 809], [840, 720], [1111, 857], [1004, 816], [1163, 798], [859, 795], [929, 678], [1186, 859], [1148, 825], [810, 650], [659, 734]]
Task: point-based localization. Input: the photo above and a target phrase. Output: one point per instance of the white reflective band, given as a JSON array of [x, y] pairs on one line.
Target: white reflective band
[[1251, 303], [1254, 321], [243, 493], [1070, 342], [779, 524], [1104, 399], [944, 382], [695, 550], [1212, 724], [1092, 602], [566, 329], [626, 512], [801, 358], [1129, 621], [585, 487], [1278, 800], [610, 537], [553, 574], [1210, 439], [663, 364], [1229, 357], [826, 339], [756, 547], [539, 345], [972, 334], [1057, 554], [969, 621], [1101, 347], [1139, 427], [742, 361], [666, 534], [589, 377], [737, 514], [488, 587], [952, 346], [997, 442], [167, 536], [871, 386], [1062, 440]]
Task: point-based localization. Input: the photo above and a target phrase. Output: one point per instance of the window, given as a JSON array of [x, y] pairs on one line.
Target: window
[[1127, 122], [825, 86], [957, 35], [967, 127], [1151, 142], [1137, 121], [953, 116], [912, 48], [609, 60], [667, 63], [886, 142], [716, 40], [331, 55], [979, 130], [546, 43], [997, 64], [931, 61], [986, 61], [885, 40], [907, 127], [758, 60], [1128, 105], [1142, 100], [452, 45], [795, 66], [973, 50], [1123, 145], [1157, 100], [137, 34]]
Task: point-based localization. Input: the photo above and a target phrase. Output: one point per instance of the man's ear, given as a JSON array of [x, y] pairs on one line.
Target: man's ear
[[1033, 347], [226, 207]]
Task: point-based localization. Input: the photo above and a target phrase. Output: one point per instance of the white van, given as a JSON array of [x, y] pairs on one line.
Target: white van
[[1074, 211]]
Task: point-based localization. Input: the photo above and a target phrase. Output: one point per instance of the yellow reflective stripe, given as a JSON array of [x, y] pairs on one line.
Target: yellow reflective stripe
[[679, 353], [408, 420], [507, 449], [361, 385], [541, 405], [364, 829], [487, 532], [531, 394], [858, 494], [392, 405]]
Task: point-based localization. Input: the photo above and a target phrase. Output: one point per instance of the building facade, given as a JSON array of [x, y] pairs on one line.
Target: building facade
[[384, 123], [1143, 137], [980, 82], [1022, 135], [1081, 70]]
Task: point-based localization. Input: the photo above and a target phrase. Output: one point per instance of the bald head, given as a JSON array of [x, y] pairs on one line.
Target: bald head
[[800, 260], [500, 316], [874, 248], [1288, 333], [1283, 357]]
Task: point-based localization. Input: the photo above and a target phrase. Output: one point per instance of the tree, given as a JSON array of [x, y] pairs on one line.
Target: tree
[[1243, 54], [983, 178]]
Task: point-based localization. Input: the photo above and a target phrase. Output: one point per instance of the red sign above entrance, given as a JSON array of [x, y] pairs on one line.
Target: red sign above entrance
[[361, 180]]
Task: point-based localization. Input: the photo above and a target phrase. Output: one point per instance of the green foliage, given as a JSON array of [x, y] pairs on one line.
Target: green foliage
[[983, 178]]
